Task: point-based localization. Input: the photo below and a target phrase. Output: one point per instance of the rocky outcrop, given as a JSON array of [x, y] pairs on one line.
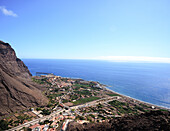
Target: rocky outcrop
[[9, 62], [154, 120], [16, 92]]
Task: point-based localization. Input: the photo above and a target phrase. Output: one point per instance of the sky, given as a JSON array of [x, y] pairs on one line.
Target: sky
[[87, 29]]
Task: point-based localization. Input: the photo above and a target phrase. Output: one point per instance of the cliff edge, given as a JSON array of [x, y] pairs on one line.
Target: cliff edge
[[16, 92]]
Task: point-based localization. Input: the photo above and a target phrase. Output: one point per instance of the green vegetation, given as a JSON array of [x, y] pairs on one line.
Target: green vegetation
[[79, 118], [113, 94], [65, 101], [72, 110], [29, 129], [53, 96], [144, 105], [95, 88], [92, 115], [45, 112], [49, 105], [22, 118], [74, 97], [163, 110], [99, 105], [139, 108], [3, 125], [38, 108], [122, 107], [83, 92], [81, 86], [56, 90], [103, 118], [88, 118], [116, 103], [41, 81], [84, 100], [66, 88]]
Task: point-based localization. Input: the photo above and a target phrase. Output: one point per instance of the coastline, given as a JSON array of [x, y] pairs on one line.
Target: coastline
[[105, 87], [154, 94], [137, 100]]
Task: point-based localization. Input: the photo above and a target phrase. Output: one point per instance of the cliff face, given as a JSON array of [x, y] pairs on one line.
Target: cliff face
[[16, 92], [10, 63]]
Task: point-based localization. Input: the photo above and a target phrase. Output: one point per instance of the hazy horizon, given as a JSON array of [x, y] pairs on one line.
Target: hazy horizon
[[119, 59]]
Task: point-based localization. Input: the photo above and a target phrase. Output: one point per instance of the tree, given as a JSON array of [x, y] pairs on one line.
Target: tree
[[45, 112], [3, 125]]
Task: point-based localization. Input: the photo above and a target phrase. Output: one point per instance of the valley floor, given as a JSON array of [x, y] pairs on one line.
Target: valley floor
[[75, 101]]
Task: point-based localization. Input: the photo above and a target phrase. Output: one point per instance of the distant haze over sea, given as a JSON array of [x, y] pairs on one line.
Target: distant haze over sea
[[141, 59], [149, 82]]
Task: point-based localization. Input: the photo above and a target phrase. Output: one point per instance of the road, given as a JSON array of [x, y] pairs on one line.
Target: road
[[27, 124], [92, 103]]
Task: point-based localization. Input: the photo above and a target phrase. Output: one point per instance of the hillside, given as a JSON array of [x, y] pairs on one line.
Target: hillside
[[154, 120], [16, 92]]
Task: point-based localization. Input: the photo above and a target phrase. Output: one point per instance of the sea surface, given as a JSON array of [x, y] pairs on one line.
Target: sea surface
[[148, 82]]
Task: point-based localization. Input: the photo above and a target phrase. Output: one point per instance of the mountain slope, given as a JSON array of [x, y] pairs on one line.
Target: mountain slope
[[16, 92], [151, 121]]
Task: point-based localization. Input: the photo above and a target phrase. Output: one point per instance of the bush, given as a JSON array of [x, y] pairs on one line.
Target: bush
[[38, 108]]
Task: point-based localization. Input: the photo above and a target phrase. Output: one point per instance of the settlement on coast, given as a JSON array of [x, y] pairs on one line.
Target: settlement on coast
[[75, 100]]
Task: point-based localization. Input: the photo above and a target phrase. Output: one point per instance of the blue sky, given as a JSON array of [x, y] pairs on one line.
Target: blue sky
[[78, 29]]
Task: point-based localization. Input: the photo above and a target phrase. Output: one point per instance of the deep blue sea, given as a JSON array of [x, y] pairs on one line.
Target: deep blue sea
[[149, 82]]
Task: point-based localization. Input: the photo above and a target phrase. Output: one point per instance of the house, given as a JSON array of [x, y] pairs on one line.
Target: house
[[46, 127], [35, 127], [38, 127]]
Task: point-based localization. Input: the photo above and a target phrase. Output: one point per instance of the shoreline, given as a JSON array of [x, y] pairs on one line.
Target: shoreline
[[105, 87], [140, 101]]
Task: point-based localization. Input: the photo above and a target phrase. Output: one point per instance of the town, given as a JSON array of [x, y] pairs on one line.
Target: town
[[74, 100]]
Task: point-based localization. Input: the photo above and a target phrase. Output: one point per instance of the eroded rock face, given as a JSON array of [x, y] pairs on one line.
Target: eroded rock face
[[16, 92], [154, 120], [10, 63]]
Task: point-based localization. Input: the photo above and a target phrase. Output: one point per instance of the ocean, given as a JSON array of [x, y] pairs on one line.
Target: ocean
[[148, 82]]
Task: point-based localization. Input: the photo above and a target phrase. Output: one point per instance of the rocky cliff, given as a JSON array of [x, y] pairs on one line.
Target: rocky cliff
[[16, 92], [10, 63]]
